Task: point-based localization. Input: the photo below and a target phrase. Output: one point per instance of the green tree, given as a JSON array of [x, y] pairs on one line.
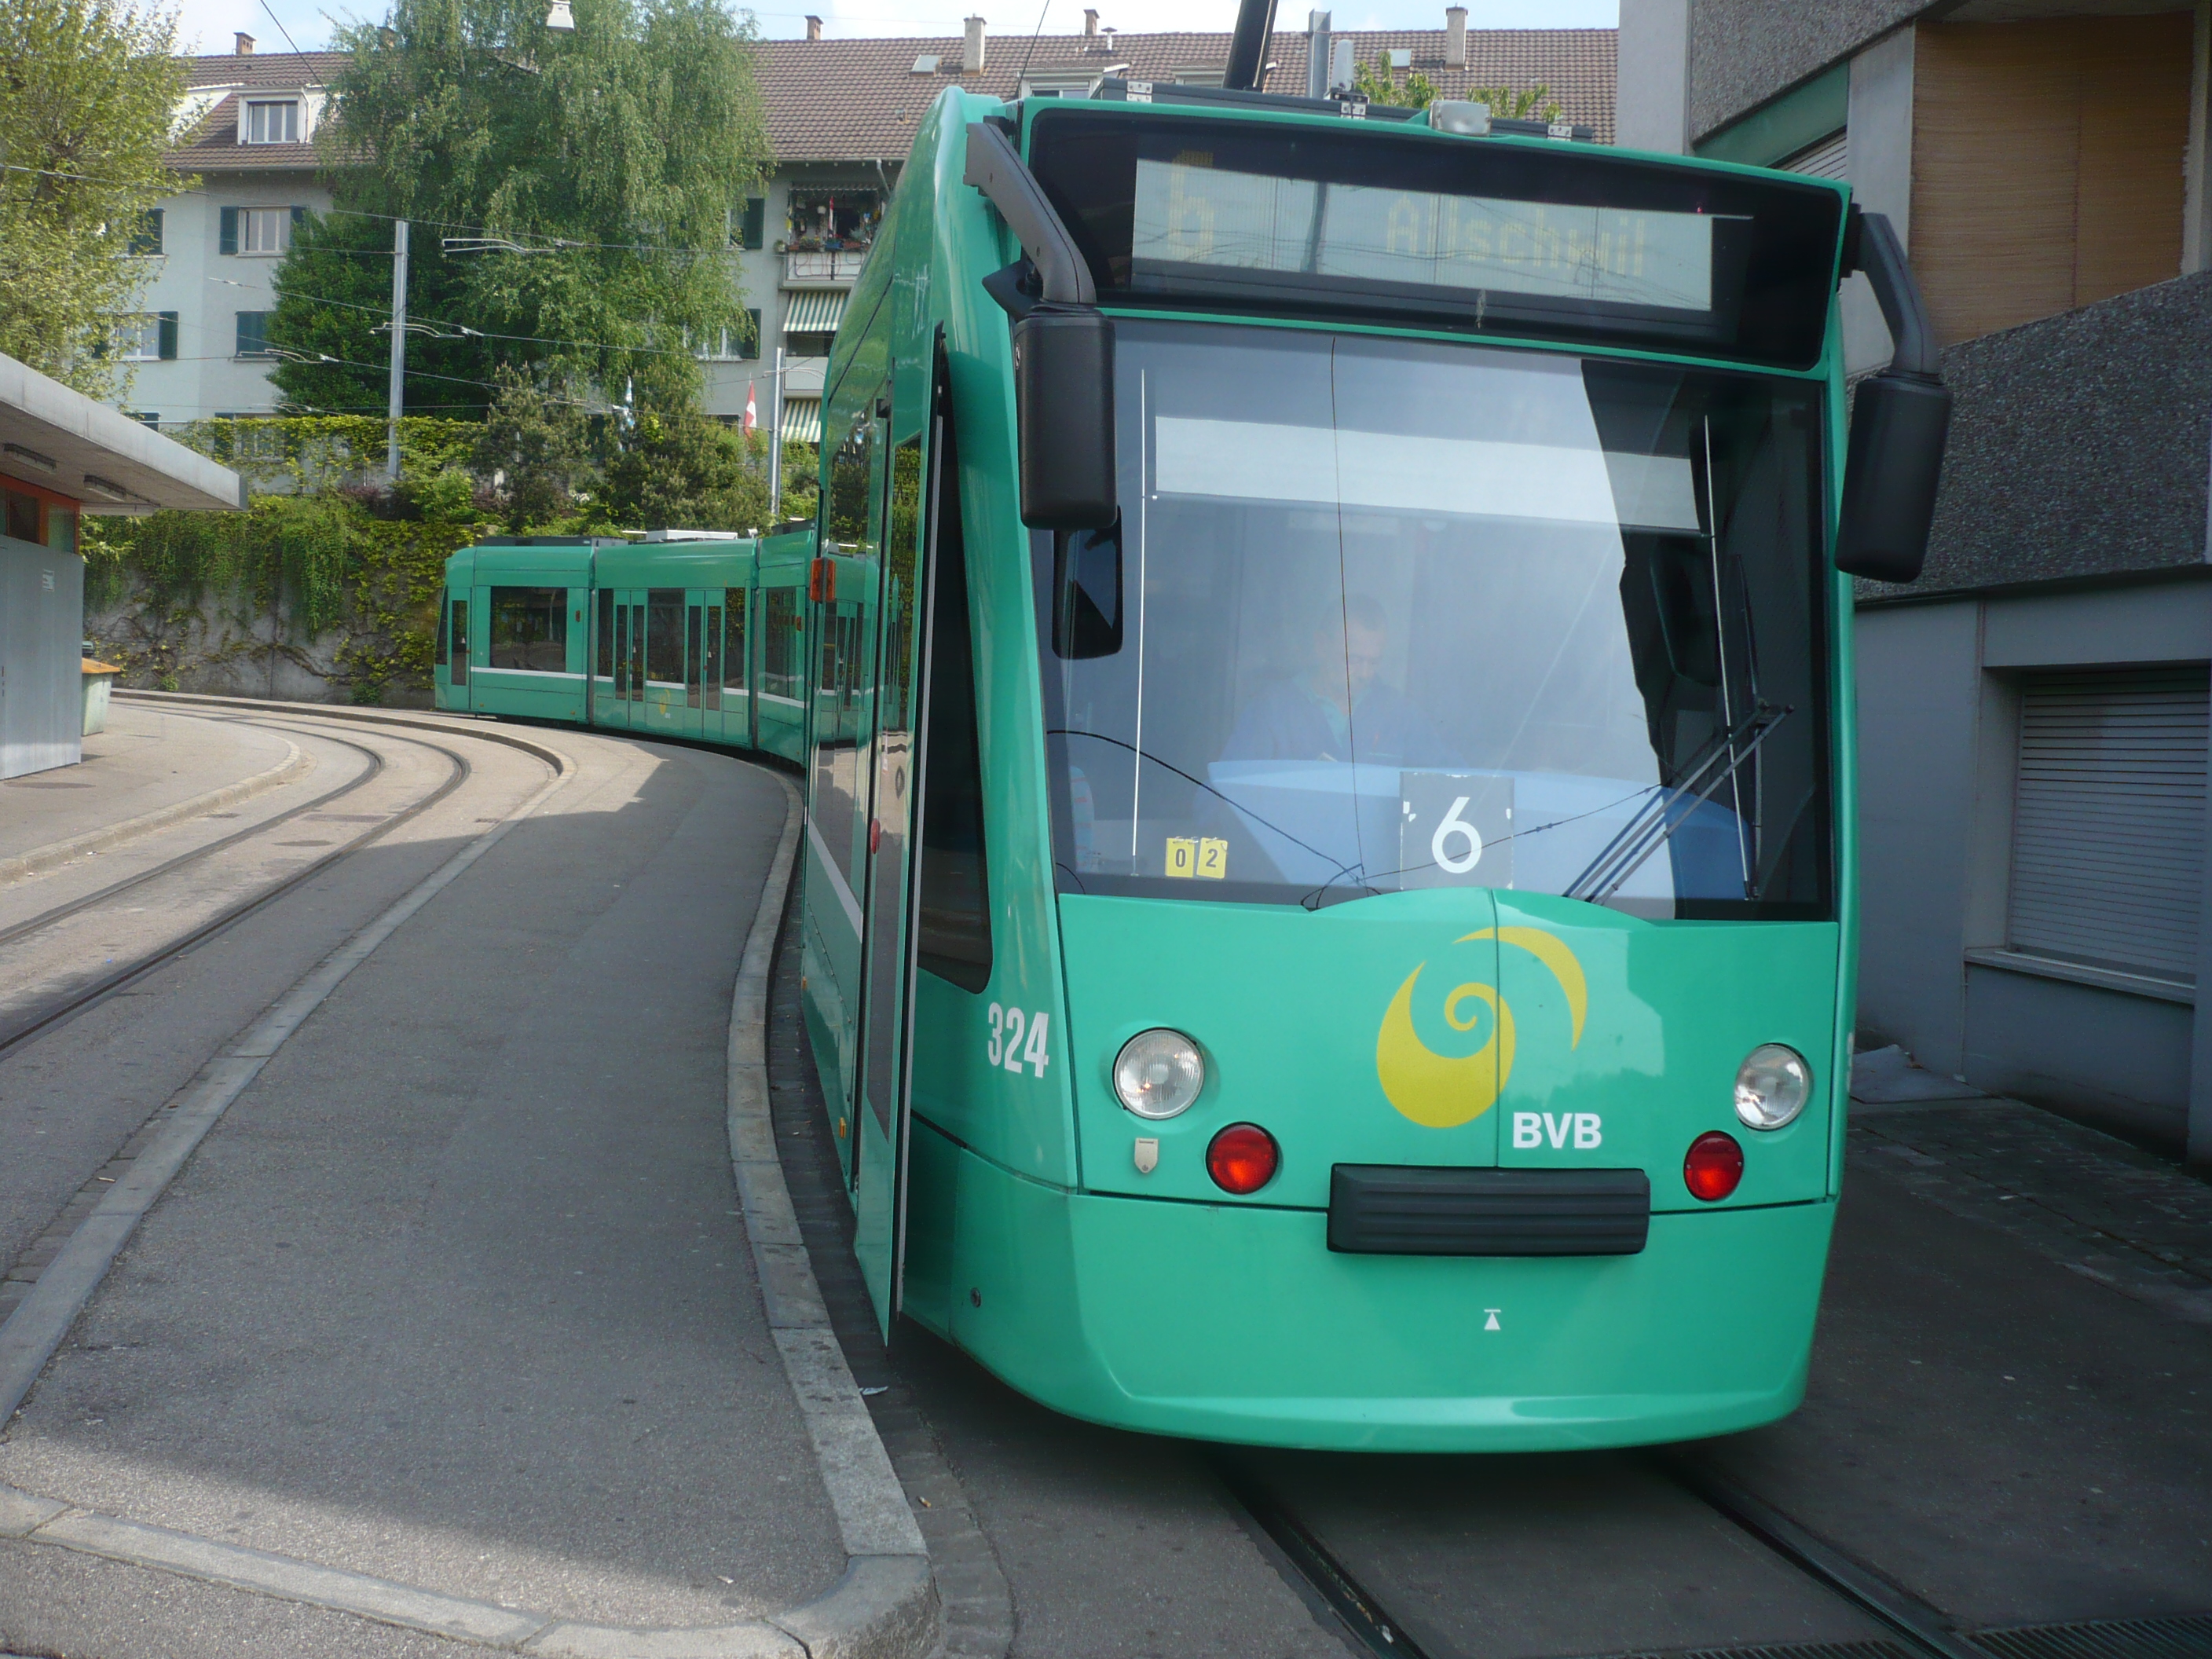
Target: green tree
[[87, 88], [1378, 84], [594, 170], [679, 469], [535, 451], [1528, 104]]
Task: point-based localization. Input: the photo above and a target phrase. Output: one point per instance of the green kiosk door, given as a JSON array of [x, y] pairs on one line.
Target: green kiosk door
[[887, 944]]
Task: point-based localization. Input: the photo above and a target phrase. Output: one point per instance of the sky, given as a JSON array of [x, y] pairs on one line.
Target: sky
[[279, 25]]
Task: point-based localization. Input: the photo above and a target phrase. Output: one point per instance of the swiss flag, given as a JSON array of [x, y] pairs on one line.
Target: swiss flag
[[752, 410]]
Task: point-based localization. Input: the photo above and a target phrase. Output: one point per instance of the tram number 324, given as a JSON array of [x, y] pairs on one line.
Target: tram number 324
[[1009, 1047]]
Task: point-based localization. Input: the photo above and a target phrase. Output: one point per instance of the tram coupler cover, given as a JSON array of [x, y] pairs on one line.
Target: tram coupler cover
[[1064, 402]]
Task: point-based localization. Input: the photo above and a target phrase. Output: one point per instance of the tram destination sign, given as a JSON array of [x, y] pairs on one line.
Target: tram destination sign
[[1540, 240]]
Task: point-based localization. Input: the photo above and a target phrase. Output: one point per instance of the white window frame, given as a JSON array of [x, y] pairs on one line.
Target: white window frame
[[254, 120], [143, 332], [252, 220]]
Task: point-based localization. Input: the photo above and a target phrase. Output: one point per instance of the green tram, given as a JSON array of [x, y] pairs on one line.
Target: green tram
[[1328, 901]]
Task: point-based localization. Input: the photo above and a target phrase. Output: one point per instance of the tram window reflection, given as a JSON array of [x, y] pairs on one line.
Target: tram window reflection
[[664, 637], [1403, 614], [530, 629]]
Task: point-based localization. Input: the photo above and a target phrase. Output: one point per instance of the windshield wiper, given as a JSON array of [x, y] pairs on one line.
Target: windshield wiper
[[1671, 806]]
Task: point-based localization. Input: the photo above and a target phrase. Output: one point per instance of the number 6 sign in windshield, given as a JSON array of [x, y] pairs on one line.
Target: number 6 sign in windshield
[[1455, 829]]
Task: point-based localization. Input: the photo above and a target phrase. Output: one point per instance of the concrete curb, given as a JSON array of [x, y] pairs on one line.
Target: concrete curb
[[884, 1606], [413, 719], [39, 860]]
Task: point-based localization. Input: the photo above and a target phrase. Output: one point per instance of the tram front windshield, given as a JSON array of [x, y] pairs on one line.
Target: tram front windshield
[[1383, 614]]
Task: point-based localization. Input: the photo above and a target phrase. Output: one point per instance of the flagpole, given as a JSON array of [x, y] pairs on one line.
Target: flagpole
[[775, 442]]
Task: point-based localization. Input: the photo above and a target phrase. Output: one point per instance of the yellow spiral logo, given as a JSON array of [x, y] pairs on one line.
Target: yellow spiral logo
[[1441, 1092]]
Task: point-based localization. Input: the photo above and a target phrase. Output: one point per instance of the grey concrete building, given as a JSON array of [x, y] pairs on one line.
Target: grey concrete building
[[2032, 713]]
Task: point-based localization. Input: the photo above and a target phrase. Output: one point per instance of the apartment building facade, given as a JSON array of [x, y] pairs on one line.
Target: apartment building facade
[[841, 118], [2032, 713]]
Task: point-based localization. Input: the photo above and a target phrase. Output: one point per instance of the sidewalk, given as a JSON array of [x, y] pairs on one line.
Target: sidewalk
[[454, 1320], [149, 764]]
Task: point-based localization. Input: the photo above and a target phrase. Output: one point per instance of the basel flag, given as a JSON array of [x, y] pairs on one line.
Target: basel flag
[[752, 411]]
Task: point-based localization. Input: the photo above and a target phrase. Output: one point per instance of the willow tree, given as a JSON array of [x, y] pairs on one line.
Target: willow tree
[[585, 178], [87, 88]]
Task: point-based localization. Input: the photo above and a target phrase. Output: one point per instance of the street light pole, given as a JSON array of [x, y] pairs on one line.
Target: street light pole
[[398, 385]]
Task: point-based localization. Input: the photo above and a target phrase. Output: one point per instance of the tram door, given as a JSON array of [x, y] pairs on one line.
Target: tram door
[[690, 718], [622, 650], [893, 787]]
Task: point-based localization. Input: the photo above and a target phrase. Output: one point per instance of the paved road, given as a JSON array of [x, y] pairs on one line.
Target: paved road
[[457, 1293]]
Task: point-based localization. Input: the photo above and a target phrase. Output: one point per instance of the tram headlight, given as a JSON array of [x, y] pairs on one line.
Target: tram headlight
[[1772, 1086], [1158, 1074]]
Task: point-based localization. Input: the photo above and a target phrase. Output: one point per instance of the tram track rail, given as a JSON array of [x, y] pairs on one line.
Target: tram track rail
[[87, 995], [1912, 1628]]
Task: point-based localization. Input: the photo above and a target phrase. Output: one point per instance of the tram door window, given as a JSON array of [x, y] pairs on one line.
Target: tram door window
[[460, 615], [603, 636], [953, 909], [891, 795], [710, 662], [780, 630], [691, 658], [636, 651], [664, 637], [733, 639], [842, 595], [445, 635]]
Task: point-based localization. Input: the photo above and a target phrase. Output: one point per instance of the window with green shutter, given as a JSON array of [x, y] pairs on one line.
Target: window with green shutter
[[229, 242], [754, 230], [147, 238], [253, 334]]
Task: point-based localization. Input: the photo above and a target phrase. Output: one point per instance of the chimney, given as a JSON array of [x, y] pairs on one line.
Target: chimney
[[245, 48], [973, 62], [1090, 23], [1456, 36], [1317, 24], [813, 27]]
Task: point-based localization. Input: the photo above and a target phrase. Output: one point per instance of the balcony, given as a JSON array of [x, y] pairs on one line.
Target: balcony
[[840, 268]]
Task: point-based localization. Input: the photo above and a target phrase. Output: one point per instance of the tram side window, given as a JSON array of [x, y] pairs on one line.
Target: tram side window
[[733, 648], [530, 629], [780, 643], [955, 921], [664, 636], [605, 661]]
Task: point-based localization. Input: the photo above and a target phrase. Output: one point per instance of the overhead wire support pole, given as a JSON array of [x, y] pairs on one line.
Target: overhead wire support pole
[[397, 396]]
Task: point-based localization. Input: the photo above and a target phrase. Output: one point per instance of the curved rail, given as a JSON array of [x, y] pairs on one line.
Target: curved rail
[[87, 995]]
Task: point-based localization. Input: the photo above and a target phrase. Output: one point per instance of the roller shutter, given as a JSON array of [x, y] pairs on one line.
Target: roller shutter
[[1829, 159], [2108, 818]]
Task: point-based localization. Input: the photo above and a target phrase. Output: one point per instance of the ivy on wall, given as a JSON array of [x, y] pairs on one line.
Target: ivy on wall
[[331, 570]]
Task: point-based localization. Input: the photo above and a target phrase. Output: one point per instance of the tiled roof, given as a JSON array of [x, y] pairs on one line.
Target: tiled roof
[[858, 100], [841, 100], [212, 145]]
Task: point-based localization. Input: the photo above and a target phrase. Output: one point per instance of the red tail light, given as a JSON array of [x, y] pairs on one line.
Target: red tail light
[[1713, 1166], [1242, 1158]]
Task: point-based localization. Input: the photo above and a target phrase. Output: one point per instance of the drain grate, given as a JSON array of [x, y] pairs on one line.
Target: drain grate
[[2188, 1637]]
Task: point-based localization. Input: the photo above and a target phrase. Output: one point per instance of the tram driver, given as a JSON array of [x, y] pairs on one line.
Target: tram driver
[[1337, 708]]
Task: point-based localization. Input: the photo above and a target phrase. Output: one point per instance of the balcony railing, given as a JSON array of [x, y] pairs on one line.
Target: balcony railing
[[840, 269]]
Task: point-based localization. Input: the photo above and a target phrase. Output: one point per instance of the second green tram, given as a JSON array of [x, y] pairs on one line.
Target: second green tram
[[1329, 884]]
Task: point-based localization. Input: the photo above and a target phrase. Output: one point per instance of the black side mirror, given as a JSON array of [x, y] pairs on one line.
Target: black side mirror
[[1064, 402], [1900, 418], [1086, 585], [1898, 422]]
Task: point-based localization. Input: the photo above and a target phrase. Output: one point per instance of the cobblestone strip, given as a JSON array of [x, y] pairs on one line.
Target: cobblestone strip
[[295, 764], [2091, 1202], [971, 1587]]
